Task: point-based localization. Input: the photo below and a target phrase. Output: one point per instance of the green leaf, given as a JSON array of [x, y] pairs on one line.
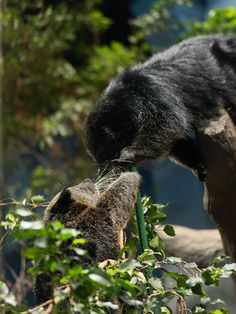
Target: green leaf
[[156, 283], [191, 266], [67, 234], [229, 267], [197, 289], [52, 266], [79, 251], [57, 225], [6, 295], [107, 304], [200, 310], [99, 279], [37, 199], [205, 300], [217, 301], [34, 225], [165, 310], [169, 230], [155, 242], [211, 277], [75, 270], [11, 217], [223, 310], [24, 212], [34, 253], [79, 241], [193, 281], [174, 260], [41, 242], [129, 265]]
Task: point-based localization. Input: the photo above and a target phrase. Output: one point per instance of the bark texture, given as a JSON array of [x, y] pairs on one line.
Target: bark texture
[[217, 143]]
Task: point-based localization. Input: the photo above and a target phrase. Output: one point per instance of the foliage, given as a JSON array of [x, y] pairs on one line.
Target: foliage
[[142, 284], [222, 20], [158, 19], [57, 64]]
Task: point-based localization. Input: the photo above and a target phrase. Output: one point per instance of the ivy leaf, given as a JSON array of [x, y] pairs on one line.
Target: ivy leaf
[[229, 268], [197, 289], [211, 278], [155, 242], [129, 265], [193, 281], [205, 300], [165, 310], [156, 283], [169, 230], [199, 309]]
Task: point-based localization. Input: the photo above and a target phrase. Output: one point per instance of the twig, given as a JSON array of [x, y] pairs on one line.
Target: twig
[[33, 205], [22, 283], [51, 303]]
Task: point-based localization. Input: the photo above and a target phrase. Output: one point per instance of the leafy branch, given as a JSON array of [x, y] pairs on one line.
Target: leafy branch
[[94, 288]]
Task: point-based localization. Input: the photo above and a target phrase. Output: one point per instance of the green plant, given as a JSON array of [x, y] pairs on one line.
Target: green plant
[[91, 289], [57, 64], [220, 20]]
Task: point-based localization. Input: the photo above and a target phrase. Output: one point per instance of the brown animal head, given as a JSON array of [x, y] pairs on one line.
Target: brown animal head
[[100, 216]]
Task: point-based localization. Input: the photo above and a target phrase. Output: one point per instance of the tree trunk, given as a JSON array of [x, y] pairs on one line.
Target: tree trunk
[[217, 143]]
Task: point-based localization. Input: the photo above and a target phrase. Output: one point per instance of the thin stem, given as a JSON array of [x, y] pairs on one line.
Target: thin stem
[[2, 175]]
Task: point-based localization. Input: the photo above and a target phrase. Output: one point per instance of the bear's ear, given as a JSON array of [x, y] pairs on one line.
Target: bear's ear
[[119, 199], [85, 193], [76, 198], [58, 206]]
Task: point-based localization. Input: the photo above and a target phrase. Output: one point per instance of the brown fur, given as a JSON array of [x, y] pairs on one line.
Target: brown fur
[[100, 216]]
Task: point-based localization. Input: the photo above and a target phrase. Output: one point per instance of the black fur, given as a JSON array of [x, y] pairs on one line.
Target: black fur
[[155, 108]]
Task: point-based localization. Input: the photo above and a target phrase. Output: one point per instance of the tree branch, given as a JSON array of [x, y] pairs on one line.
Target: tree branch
[[192, 245]]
